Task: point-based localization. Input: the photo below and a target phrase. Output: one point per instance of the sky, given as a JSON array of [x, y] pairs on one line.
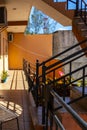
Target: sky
[[36, 23]]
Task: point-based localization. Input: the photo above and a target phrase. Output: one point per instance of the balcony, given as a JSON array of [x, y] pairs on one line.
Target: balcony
[[14, 96]]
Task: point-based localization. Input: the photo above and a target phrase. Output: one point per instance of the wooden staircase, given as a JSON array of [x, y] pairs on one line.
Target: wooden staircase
[[61, 7], [79, 28]]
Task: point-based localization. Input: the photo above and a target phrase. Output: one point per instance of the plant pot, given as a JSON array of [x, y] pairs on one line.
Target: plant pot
[[3, 80], [63, 92]]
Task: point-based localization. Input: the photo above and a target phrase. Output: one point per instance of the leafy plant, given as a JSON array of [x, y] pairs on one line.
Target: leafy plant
[[4, 75], [59, 87], [80, 83]]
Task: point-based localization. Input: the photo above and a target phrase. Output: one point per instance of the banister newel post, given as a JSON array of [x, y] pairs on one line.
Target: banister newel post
[[37, 81], [43, 92]]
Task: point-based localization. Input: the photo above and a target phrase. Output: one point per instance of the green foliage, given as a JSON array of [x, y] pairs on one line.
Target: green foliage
[[4, 75], [61, 81], [80, 83], [59, 87]]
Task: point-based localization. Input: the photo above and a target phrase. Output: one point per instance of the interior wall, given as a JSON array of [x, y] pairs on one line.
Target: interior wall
[[30, 47], [3, 51]]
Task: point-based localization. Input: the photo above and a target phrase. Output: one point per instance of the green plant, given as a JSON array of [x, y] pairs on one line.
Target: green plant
[[62, 86], [4, 75], [80, 83]]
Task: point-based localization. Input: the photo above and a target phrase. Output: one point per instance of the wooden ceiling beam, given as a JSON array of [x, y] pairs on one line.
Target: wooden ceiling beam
[[17, 23]]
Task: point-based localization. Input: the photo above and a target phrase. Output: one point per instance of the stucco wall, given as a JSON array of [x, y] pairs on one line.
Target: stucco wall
[[63, 40], [30, 47], [3, 51]]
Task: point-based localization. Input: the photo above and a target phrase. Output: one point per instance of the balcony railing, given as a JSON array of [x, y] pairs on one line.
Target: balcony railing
[[39, 86], [80, 7], [52, 120]]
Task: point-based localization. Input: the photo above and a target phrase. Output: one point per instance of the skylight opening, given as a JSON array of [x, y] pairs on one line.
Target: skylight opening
[[40, 23]]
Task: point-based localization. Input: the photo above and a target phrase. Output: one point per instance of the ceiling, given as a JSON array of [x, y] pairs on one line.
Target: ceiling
[[18, 13]]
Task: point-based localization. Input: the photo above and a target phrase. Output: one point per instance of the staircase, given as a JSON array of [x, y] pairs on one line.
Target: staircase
[[61, 7], [46, 95], [53, 116], [79, 22], [77, 15], [79, 28]]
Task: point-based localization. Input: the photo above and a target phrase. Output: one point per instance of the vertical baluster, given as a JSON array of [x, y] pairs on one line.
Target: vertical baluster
[[43, 93], [83, 83], [37, 81]]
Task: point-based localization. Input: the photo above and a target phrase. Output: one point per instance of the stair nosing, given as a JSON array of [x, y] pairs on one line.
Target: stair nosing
[[83, 29]]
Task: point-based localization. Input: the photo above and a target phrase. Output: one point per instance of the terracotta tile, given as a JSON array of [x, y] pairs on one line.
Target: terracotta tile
[[14, 93]]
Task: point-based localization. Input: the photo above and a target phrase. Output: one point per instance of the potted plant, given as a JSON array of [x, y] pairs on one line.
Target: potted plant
[[61, 87], [4, 75]]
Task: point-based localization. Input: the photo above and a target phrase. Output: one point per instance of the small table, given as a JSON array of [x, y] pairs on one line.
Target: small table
[[7, 115]]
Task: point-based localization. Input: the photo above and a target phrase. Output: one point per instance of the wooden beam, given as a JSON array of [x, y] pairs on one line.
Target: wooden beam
[[17, 23], [2, 2]]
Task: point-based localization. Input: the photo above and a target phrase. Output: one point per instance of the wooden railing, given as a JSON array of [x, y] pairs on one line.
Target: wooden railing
[[83, 11]]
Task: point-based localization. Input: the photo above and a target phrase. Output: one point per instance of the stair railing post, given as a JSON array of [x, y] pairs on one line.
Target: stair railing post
[[70, 72], [43, 92], [29, 69], [83, 82], [23, 64], [77, 8], [37, 81], [26, 72], [77, 5]]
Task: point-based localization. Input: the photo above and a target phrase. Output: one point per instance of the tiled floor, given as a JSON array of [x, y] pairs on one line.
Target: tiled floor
[[14, 95]]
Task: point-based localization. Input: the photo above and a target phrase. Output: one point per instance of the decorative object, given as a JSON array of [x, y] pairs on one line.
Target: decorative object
[[4, 75], [61, 87]]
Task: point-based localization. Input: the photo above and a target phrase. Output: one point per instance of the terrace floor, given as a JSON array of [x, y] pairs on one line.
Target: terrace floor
[[14, 95]]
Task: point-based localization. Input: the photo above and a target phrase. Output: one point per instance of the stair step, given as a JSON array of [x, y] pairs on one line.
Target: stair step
[[81, 26], [78, 21], [79, 16], [84, 32], [84, 29], [81, 23]]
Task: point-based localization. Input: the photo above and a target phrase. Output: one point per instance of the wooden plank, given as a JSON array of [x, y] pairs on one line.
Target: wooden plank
[[16, 23]]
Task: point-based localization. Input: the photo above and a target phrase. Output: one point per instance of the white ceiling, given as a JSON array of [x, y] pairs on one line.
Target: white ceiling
[[18, 11]]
